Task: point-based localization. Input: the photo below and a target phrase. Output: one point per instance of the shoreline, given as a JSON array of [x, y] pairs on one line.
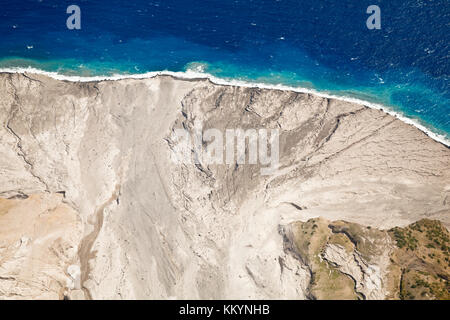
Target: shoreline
[[196, 75]]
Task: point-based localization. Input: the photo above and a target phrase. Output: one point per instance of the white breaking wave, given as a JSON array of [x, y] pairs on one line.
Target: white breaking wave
[[197, 73]]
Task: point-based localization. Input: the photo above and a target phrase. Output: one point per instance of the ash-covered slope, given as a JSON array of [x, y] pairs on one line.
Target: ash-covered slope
[[135, 224]]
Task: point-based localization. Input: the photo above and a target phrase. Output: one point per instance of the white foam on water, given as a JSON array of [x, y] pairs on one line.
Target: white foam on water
[[197, 73]]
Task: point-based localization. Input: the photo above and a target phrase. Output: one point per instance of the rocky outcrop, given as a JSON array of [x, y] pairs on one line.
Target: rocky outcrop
[[350, 261], [149, 227]]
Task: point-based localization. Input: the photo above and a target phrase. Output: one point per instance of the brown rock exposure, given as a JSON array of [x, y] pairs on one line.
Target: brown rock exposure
[[350, 261], [92, 206]]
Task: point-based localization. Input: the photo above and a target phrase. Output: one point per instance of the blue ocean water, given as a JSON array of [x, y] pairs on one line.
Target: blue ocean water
[[320, 44]]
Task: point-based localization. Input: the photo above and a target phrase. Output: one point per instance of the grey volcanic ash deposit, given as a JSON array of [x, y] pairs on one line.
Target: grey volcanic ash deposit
[[92, 206]]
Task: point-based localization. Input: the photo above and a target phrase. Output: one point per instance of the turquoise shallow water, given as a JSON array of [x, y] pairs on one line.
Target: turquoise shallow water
[[322, 45]]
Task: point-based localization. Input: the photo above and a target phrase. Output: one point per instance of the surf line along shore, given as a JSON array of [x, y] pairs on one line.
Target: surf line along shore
[[194, 74], [227, 309]]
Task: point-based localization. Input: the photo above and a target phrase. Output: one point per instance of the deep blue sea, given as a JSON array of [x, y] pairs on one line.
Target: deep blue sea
[[324, 45]]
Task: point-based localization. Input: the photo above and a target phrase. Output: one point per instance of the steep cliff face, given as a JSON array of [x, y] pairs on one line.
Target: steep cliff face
[[145, 226]]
